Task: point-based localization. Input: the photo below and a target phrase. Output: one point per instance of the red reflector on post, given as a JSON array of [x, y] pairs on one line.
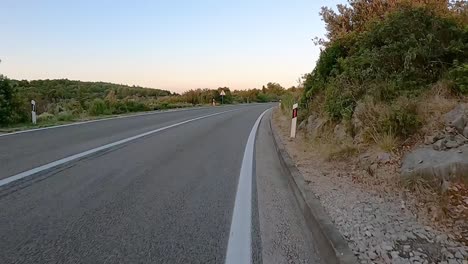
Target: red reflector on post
[[294, 113]]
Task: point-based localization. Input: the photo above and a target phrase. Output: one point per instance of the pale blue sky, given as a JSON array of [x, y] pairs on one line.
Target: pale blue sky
[[176, 45]]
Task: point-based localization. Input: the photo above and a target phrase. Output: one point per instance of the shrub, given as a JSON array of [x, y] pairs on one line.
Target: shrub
[[65, 116], [134, 106], [97, 107], [287, 102], [403, 119], [412, 47], [44, 117], [119, 107], [10, 107], [339, 104], [459, 75]]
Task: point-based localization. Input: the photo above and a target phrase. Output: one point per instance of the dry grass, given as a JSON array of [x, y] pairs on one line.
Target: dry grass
[[342, 153], [386, 141], [433, 105]]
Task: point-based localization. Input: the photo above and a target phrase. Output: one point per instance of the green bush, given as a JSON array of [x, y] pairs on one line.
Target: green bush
[[459, 76], [44, 117], [65, 116], [339, 104], [12, 110], [97, 107], [399, 56], [402, 120], [287, 101], [412, 46], [133, 106], [327, 67]]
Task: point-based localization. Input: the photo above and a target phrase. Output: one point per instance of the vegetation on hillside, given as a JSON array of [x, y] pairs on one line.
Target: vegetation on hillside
[[385, 54], [66, 100]]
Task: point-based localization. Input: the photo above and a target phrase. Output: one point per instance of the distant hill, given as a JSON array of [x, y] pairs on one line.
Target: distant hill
[[63, 89]]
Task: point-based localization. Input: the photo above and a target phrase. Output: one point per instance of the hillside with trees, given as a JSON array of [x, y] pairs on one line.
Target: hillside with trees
[[67, 100]]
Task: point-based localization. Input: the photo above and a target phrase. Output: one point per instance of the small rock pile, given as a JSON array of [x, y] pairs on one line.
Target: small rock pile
[[455, 133], [444, 156]]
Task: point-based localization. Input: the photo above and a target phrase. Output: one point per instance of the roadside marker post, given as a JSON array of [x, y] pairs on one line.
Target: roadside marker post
[[294, 121], [33, 111]]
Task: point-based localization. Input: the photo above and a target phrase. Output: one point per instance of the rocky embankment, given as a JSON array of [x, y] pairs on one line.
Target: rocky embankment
[[380, 224]]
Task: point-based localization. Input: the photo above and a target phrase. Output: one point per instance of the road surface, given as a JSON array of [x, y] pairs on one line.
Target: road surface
[[158, 188]]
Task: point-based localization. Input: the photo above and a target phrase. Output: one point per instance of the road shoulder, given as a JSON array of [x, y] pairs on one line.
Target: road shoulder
[[281, 222], [331, 245]]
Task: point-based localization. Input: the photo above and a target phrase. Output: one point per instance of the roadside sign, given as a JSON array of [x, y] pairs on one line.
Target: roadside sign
[[222, 93]]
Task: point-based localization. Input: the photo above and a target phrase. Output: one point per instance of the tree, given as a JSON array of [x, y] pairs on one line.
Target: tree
[[274, 89], [356, 16], [10, 107]]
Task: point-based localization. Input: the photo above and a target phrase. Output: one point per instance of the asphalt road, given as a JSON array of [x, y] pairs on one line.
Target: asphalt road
[[166, 197]]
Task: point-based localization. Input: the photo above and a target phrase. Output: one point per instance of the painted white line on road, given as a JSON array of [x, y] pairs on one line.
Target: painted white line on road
[[103, 119], [239, 248], [94, 150]]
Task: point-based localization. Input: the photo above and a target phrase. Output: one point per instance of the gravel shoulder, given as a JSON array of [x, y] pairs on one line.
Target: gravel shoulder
[[379, 223]]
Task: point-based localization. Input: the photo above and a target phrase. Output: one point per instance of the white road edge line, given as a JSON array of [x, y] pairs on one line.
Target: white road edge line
[[94, 150], [239, 250], [103, 119]]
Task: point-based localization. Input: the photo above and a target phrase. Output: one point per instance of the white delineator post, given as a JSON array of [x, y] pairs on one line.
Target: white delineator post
[[33, 111], [294, 121]]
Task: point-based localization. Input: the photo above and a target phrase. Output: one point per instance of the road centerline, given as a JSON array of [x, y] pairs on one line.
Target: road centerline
[[239, 248], [68, 159]]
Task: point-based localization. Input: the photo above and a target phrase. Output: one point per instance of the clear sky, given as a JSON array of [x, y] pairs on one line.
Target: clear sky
[[173, 44]]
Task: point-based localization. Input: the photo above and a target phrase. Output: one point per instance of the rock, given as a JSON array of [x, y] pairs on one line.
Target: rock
[[341, 134], [448, 255], [465, 132], [372, 255], [302, 125], [428, 140], [383, 157], [440, 145], [459, 123], [452, 144], [450, 130], [458, 255], [458, 117], [460, 139], [385, 246], [368, 233], [441, 238], [439, 165], [314, 126], [394, 254]]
